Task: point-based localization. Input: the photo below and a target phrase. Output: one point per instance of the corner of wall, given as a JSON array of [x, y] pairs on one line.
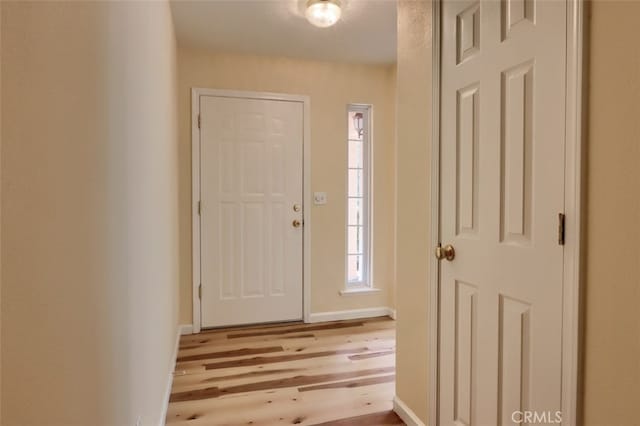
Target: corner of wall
[[413, 177], [405, 413]]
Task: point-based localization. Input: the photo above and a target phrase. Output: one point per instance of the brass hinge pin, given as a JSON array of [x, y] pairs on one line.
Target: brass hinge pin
[[561, 228]]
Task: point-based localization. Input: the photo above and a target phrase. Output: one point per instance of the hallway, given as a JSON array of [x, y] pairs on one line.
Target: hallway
[[337, 373], [172, 167]]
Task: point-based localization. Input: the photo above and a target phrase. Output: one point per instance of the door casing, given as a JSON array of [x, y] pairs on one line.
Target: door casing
[[196, 93], [573, 200]]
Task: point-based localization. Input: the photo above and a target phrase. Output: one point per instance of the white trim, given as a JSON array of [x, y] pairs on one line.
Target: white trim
[[195, 198], [367, 198], [306, 212], [351, 314], [573, 202], [405, 413], [167, 391], [433, 312], [185, 329], [196, 93], [359, 290]]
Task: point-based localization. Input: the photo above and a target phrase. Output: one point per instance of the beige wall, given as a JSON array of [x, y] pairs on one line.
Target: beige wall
[[413, 198], [612, 285], [89, 212], [331, 87]]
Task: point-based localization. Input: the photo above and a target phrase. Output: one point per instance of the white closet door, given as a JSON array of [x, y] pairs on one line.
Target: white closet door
[[503, 138]]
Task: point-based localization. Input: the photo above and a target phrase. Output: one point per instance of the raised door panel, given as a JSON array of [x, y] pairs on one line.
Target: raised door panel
[[465, 353], [516, 150], [514, 355], [467, 153]]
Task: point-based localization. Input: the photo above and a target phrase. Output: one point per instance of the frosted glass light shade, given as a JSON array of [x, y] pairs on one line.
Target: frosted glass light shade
[[323, 13]]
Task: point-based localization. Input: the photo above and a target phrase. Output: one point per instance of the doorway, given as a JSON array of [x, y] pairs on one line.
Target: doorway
[[249, 207]]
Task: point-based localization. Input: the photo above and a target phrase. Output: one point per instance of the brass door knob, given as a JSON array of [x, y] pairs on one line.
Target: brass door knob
[[296, 223], [447, 252]]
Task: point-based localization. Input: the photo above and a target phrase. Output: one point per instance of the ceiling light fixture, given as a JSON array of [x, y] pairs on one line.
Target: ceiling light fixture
[[323, 13]]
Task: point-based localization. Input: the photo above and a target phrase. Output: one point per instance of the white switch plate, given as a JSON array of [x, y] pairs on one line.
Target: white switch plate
[[319, 198]]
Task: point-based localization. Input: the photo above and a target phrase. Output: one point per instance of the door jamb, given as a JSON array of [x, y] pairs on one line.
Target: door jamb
[[573, 204], [433, 291], [196, 93]]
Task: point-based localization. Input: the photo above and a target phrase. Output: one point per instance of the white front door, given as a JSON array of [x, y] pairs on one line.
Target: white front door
[[502, 185], [251, 194]]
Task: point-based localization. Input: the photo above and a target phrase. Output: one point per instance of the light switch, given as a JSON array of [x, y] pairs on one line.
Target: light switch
[[319, 198]]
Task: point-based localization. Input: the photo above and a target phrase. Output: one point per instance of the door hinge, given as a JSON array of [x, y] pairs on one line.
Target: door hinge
[[200, 291], [198, 121], [199, 208], [561, 228]]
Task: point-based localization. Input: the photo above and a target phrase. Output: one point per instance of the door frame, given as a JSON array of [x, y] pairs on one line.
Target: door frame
[[573, 202], [196, 93]]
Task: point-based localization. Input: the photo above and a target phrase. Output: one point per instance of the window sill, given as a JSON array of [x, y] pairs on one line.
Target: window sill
[[359, 290]]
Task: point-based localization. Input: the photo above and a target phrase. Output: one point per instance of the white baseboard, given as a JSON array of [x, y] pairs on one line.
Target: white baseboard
[[392, 313], [185, 329], [351, 314], [405, 413], [167, 391]]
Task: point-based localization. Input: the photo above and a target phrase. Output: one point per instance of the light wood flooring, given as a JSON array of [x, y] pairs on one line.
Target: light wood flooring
[[339, 373]]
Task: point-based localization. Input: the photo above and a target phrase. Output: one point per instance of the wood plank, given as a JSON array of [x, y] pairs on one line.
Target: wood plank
[[231, 354], [303, 380], [351, 384], [300, 336], [214, 392], [383, 418], [250, 374], [374, 345], [312, 366], [371, 355], [206, 393], [259, 360], [233, 345], [220, 335], [282, 406], [294, 341], [367, 331], [329, 326]]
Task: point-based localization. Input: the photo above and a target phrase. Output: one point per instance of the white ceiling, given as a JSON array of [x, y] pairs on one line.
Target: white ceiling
[[365, 34]]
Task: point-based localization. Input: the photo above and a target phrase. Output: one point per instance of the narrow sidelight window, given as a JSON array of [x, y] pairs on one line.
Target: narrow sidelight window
[[359, 196]]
